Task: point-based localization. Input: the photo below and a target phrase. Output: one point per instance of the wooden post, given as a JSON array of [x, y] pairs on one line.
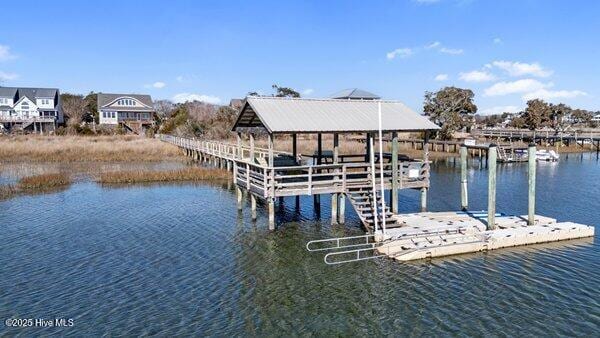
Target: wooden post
[[464, 196], [271, 202], [368, 147], [317, 197], [295, 146], [253, 206], [426, 160], [342, 209], [239, 197], [335, 196], [251, 148], [395, 178], [492, 187], [271, 156], [238, 136], [532, 167]]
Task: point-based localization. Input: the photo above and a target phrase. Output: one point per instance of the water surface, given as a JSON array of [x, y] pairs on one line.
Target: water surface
[[179, 260]]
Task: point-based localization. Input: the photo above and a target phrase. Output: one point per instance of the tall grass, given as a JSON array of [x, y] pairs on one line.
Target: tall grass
[[114, 148], [35, 184], [186, 174]]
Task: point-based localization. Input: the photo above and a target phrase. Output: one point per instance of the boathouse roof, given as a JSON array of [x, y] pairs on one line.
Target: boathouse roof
[[354, 94], [296, 115]]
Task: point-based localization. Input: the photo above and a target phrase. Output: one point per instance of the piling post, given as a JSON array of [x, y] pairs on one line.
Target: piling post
[[394, 199], [271, 202], [253, 206], [426, 163], [531, 152], [317, 197], [492, 187], [342, 209], [271, 156], [335, 196], [464, 197], [239, 197], [251, 148], [238, 136], [295, 146]]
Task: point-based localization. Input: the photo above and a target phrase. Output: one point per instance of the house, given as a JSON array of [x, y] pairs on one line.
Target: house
[[30, 109], [596, 118], [134, 112]]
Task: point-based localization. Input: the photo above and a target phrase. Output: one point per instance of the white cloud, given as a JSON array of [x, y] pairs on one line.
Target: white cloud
[[522, 69], [497, 41], [308, 91], [184, 97], [441, 77], [549, 95], [477, 76], [5, 53], [179, 78], [519, 86], [499, 110], [452, 51], [400, 52], [8, 76], [433, 45], [158, 84]]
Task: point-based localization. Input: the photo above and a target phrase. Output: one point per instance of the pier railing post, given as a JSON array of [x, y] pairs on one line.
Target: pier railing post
[[464, 197], [492, 187], [335, 196], [531, 152], [426, 163]]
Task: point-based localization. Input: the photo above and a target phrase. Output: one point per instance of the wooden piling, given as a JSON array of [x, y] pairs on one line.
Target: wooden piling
[[342, 209], [426, 160], [531, 152], [492, 150], [335, 196], [464, 197], [239, 197], [394, 198], [271, 202], [253, 206]]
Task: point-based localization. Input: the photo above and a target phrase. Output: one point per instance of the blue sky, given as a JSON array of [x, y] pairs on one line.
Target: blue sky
[[506, 51]]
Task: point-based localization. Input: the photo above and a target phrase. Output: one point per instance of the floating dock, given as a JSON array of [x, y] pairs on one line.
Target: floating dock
[[437, 234]]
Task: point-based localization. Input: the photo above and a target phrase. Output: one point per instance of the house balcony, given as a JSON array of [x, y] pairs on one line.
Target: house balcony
[[31, 119]]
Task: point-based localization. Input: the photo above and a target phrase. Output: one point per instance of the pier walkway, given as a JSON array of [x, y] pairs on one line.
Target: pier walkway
[[287, 177]]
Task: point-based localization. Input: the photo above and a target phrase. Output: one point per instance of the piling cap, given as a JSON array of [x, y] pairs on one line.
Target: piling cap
[[532, 144], [493, 145]]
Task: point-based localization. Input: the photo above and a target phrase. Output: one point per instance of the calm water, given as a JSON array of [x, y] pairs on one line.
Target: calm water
[[180, 260]]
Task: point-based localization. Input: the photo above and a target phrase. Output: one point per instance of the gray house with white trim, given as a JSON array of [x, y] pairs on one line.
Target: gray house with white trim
[[134, 112]]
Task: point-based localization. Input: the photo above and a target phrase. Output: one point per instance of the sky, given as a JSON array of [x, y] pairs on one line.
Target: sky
[[505, 51]]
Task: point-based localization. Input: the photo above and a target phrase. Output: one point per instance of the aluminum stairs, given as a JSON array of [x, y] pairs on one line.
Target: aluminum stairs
[[363, 203]]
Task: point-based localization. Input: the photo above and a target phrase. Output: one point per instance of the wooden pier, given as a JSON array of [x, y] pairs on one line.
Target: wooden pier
[[268, 174]]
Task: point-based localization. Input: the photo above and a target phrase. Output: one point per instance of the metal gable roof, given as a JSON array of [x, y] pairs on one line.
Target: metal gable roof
[[289, 115]]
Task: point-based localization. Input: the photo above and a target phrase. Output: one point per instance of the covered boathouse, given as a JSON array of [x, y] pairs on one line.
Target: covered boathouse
[[269, 174]]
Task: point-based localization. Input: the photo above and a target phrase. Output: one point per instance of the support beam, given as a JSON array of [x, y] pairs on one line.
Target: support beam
[[426, 160], [464, 197], [270, 146], [395, 177], [319, 148], [252, 148], [253, 206], [492, 187], [239, 197], [271, 202], [238, 136], [295, 146], [368, 148], [531, 183], [342, 209], [335, 197]]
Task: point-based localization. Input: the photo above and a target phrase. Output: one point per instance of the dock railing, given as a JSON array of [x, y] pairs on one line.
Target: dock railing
[[270, 181]]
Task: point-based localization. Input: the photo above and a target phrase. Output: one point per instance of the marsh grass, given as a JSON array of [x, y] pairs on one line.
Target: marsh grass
[[113, 148], [36, 184], [180, 175]]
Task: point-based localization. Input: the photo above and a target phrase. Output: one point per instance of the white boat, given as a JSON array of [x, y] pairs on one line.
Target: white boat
[[546, 155]]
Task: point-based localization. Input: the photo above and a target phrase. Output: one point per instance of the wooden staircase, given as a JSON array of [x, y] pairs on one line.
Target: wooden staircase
[[363, 203]]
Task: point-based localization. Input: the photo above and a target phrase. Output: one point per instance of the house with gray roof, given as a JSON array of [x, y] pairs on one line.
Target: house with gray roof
[[355, 94], [33, 109], [134, 112]]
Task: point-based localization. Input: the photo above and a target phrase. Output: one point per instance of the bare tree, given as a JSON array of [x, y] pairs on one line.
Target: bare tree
[[74, 108]]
